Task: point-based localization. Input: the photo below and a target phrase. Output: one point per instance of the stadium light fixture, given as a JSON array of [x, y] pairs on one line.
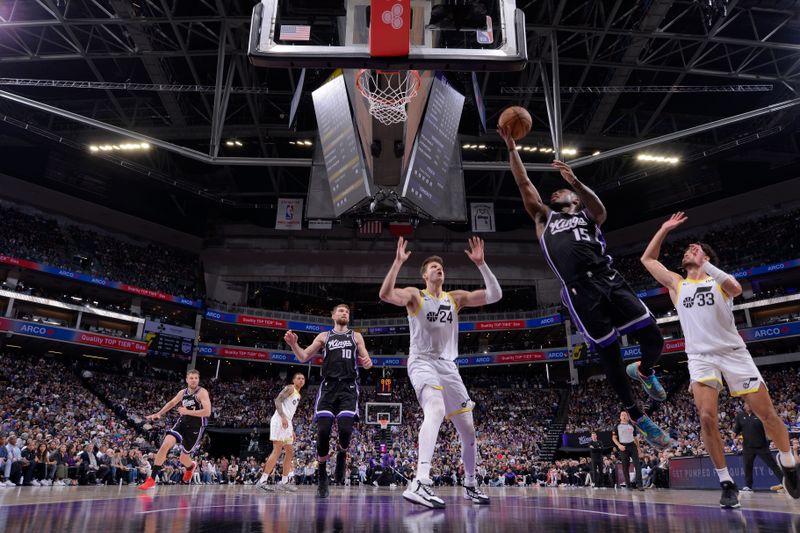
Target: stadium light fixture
[[121, 147], [650, 158]]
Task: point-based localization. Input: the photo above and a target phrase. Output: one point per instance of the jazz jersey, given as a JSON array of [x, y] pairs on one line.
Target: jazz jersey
[[434, 327], [289, 404], [706, 315]]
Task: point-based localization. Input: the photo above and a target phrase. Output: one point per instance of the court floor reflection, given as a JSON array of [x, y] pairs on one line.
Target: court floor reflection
[[228, 509]]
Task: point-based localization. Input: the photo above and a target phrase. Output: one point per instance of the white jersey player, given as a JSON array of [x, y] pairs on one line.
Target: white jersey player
[[281, 432], [433, 324], [704, 301]]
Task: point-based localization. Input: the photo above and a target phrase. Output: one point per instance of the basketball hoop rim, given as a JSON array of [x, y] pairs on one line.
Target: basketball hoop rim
[[409, 94]]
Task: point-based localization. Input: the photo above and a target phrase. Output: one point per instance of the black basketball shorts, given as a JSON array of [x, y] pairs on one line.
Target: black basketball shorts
[[604, 307]]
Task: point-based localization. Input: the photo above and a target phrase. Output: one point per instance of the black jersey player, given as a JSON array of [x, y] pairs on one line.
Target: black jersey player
[[337, 399], [195, 408], [599, 300]]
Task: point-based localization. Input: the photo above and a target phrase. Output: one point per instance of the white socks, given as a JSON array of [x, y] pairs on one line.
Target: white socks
[[433, 408], [723, 475], [786, 459], [284, 479], [264, 478]]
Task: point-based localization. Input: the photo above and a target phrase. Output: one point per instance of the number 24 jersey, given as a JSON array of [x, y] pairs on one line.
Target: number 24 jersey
[[434, 327]]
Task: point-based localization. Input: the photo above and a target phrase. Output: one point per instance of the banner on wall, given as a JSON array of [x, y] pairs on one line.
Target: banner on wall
[[73, 336], [94, 280], [290, 214], [482, 217]]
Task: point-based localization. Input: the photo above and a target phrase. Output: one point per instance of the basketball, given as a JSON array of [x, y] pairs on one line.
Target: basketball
[[517, 120]]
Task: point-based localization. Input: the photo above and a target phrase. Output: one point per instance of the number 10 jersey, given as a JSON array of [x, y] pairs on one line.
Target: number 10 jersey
[[434, 327]]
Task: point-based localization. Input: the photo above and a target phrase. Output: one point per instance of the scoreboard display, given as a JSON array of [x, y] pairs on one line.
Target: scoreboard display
[[165, 345], [385, 387], [167, 340]]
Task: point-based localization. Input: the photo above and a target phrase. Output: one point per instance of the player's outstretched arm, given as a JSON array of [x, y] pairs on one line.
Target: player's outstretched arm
[[492, 293], [363, 356], [167, 407], [649, 258], [401, 297], [205, 400], [303, 355], [591, 202], [531, 198]]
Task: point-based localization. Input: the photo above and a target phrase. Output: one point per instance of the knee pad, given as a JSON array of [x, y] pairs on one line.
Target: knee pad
[[345, 424], [649, 336], [432, 403]]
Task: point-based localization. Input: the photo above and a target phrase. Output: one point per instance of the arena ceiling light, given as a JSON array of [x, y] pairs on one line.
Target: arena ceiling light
[[302, 143], [650, 158], [121, 147], [234, 142], [569, 151]]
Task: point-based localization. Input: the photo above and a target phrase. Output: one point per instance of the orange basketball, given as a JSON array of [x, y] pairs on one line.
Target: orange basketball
[[517, 120]]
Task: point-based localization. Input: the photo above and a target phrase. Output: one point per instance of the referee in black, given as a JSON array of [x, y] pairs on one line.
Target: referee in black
[[596, 454], [628, 445], [754, 444]]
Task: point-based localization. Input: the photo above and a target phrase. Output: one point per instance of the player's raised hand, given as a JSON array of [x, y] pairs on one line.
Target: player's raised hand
[[152, 417], [674, 221], [402, 255], [475, 252], [290, 338], [505, 134], [566, 171]]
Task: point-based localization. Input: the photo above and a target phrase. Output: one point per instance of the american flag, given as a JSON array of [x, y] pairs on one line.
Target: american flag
[[371, 227], [295, 33]]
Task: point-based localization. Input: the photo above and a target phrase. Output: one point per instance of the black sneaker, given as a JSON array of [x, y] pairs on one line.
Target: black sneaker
[[790, 481], [338, 475], [322, 488], [730, 495]]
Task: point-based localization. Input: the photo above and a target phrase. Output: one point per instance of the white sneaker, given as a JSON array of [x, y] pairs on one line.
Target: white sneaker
[[476, 495], [421, 492], [745, 489], [35, 483]]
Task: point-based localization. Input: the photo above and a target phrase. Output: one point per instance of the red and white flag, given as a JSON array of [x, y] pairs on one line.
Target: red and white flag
[[371, 227]]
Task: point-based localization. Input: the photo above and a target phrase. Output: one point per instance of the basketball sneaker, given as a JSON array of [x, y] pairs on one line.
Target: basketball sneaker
[[421, 492], [149, 483], [650, 383], [730, 495], [187, 475], [476, 495], [790, 481], [322, 488], [652, 433], [266, 488], [285, 486]]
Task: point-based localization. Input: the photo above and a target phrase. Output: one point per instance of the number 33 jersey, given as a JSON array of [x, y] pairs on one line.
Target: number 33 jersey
[[434, 327], [706, 315]]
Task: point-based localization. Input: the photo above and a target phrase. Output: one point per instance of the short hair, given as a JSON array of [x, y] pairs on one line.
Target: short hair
[[709, 251], [298, 374], [337, 306], [193, 371], [429, 260]]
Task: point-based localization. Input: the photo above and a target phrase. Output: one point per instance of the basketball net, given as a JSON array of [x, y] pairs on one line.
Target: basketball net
[[384, 423], [388, 92]]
